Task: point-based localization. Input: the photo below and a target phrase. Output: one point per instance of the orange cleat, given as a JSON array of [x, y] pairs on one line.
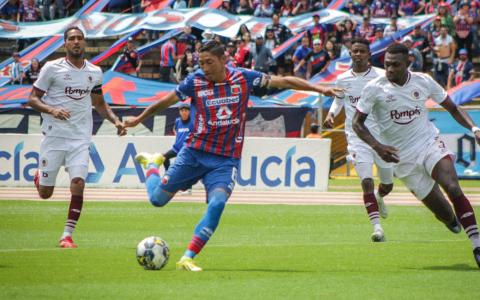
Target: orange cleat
[[67, 242]]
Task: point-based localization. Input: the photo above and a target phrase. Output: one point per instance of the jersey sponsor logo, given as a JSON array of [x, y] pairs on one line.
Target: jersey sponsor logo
[[224, 113], [76, 94], [183, 130], [223, 101], [67, 77], [353, 100], [205, 93], [405, 117]]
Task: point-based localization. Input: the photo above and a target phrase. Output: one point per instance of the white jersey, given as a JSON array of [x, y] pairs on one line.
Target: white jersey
[[353, 83], [69, 87], [401, 113]]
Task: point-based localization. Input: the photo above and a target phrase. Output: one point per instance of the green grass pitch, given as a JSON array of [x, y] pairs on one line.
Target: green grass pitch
[[258, 252]]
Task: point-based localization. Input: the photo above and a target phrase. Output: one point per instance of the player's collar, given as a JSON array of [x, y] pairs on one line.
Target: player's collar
[[362, 74], [73, 66], [409, 75]]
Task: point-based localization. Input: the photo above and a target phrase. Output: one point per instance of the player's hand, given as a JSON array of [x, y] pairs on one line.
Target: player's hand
[[477, 136], [329, 121], [132, 122], [333, 92], [60, 113], [387, 153], [121, 130]]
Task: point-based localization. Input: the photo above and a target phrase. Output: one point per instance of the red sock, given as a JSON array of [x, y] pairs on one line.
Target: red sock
[[372, 207], [196, 244], [465, 215], [151, 171], [74, 211]]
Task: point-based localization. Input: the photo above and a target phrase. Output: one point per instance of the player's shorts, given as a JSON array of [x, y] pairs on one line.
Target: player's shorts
[[56, 152], [363, 157], [191, 165], [416, 173]]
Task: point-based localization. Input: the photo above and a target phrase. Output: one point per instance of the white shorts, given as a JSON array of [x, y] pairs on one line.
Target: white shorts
[[56, 152], [363, 157], [417, 174]]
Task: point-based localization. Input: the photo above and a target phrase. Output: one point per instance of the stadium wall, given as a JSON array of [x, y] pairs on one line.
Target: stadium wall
[[267, 163]]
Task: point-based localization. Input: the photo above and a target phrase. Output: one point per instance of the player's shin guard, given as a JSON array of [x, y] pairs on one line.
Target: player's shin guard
[[372, 208], [207, 225], [466, 216], [74, 211]]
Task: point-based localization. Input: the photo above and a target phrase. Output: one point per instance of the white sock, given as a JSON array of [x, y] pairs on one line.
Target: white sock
[[377, 227]]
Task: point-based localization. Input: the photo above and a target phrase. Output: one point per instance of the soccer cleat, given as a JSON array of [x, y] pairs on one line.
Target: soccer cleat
[[378, 236], [67, 242], [36, 179], [476, 255], [382, 208], [455, 226], [145, 159], [187, 264]]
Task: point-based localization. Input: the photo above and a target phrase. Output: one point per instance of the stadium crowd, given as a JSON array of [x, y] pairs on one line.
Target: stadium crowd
[[445, 48]]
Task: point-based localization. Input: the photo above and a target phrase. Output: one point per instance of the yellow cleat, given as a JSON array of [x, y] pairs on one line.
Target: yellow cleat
[[158, 159], [145, 159], [188, 264]]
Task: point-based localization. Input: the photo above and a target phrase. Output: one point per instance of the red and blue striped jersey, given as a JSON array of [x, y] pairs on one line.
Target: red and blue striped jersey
[[219, 109], [166, 54]]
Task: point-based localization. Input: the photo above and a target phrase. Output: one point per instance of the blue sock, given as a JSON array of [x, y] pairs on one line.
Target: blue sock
[[153, 179], [207, 225]]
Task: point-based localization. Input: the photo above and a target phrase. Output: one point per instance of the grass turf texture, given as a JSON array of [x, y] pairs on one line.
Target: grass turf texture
[[258, 252]]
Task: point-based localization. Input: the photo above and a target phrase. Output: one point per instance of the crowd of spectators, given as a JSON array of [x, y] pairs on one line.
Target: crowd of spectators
[[444, 48]]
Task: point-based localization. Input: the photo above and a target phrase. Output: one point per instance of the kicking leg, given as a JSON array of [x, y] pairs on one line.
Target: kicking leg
[[439, 206], [445, 175], [217, 199]]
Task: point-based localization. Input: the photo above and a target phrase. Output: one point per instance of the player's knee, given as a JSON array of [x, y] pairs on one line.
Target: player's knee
[[453, 189], [217, 199], [385, 189], [45, 193], [77, 185], [160, 198], [367, 185]]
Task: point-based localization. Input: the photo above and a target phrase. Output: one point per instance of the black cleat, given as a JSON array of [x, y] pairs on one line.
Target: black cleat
[[455, 226], [476, 255]]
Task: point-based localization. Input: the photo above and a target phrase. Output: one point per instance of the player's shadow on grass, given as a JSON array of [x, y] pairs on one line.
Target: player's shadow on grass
[[261, 270], [456, 267]]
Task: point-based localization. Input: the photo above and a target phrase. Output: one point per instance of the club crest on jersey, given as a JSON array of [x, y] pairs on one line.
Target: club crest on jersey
[[67, 77], [416, 94], [235, 89]]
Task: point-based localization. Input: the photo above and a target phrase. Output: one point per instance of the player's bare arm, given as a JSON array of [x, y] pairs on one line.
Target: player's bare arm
[[333, 112], [160, 105], [106, 112], [387, 153], [290, 82], [461, 116], [35, 101]]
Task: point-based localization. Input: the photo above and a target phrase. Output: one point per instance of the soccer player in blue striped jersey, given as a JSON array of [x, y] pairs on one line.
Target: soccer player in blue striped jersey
[[219, 98]]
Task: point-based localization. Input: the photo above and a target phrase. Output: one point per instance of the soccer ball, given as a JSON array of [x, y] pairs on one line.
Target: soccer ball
[[152, 253]]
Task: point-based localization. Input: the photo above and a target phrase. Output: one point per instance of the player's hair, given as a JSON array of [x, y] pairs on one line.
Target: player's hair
[[213, 47], [362, 41], [398, 48], [65, 33]]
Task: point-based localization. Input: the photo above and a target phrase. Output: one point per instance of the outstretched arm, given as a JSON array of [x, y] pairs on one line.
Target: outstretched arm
[[106, 112], [387, 153], [461, 117], [290, 82], [160, 105]]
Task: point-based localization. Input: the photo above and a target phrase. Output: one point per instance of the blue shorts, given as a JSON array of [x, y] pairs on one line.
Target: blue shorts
[[192, 165]]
